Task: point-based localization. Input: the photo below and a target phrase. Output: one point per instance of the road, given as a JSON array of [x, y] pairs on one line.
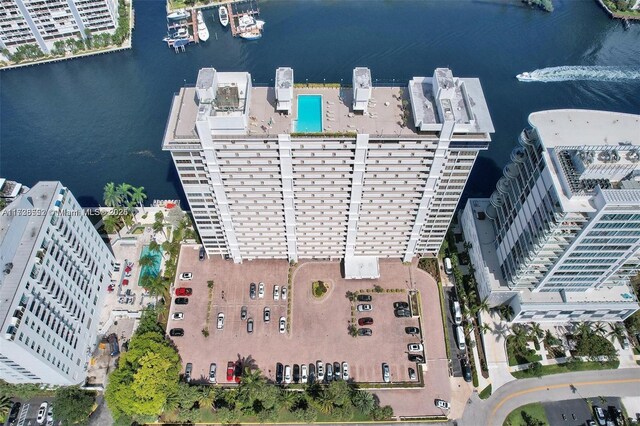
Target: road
[[493, 411]]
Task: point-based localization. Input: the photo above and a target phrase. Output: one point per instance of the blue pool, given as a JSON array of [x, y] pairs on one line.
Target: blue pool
[[309, 114], [152, 270]]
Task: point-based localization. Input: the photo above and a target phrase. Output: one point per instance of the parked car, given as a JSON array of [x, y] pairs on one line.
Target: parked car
[[414, 347], [182, 301], [416, 358], [42, 413], [279, 373], [125, 282], [252, 290], [412, 330], [202, 254], [296, 373], [442, 404], [187, 372], [328, 372], [345, 371], [231, 367], [243, 313], [402, 313], [320, 368], [412, 374], [276, 292], [624, 342], [186, 276], [267, 314], [466, 370], [386, 374], [250, 325], [337, 374], [600, 416], [365, 332], [287, 374], [364, 298], [212, 373], [365, 307], [283, 293], [312, 373], [283, 324], [460, 338], [220, 324], [116, 267], [13, 414], [400, 305], [176, 332], [238, 371], [457, 313], [365, 321], [184, 291], [177, 316], [260, 290], [303, 373]]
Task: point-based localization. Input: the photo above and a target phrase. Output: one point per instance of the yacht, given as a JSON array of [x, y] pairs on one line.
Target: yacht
[[178, 14], [525, 76], [253, 34], [246, 23], [203, 31], [223, 14], [182, 33]]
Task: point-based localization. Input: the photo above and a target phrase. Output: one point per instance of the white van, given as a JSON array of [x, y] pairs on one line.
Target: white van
[[448, 268], [460, 335], [457, 313]]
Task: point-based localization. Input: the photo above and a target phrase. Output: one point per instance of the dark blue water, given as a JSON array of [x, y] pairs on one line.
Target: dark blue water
[[94, 120]]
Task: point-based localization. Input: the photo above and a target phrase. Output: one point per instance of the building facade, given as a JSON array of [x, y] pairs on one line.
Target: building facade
[[560, 236], [55, 272], [42, 23], [325, 172]]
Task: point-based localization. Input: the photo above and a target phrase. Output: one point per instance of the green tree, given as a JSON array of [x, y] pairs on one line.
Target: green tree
[[5, 406], [111, 197], [111, 224], [382, 413], [287, 399], [73, 405], [617, 333], [147, 261], [339, 392], [535, 331], [138, 196], [363, 401]]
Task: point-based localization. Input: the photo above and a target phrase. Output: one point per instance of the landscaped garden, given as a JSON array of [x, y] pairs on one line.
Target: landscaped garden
[[527, 415], [319, 289]]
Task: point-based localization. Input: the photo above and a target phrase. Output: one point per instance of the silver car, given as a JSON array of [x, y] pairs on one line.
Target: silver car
[[212, 373]]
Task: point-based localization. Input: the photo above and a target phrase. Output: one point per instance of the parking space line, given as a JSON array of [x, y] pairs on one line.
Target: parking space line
[[23, 415]]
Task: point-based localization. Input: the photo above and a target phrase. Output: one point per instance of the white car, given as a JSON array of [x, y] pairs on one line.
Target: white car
[[212, 373], [220, 321], [177, 316], [50, 414], [276, 292], [441, 403], [284, 293], [303, 373], [186, 276], [386, 375], [365, 307], [414, 347], [42, 413], [283, 324], [260, 290], [345, 371], [320, 370], [287, 374]]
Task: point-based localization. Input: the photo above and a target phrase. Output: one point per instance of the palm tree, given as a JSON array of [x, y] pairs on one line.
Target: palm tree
[[124, 191], [5, 405], [324, 403], [207, 397], [484, 305], [138, 196], [111, 196], [287, 399], [154, 246], [484, 327], [536, 332], [617, 332], [155, 285], [520, 337], [599, 328], [583, 328], [363, 400], [147, 261], [110, 223]]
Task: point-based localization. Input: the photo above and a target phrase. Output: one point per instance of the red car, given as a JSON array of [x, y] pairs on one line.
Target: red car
[[184, 291], [110, 288], [230, 370], [127, 269], [365, 321], [125, 282]]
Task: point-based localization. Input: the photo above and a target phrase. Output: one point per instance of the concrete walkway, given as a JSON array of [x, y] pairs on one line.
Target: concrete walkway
[[495, 349]]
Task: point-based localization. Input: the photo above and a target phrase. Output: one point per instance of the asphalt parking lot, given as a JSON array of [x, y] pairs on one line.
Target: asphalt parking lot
[[577, 412], [456, 354], [29, 412]]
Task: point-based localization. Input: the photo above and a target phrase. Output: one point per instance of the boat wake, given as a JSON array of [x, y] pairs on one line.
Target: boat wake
[[577, 73]]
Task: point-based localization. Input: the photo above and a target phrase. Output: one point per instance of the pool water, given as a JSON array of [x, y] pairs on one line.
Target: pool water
[[309, 114], [154, 269]]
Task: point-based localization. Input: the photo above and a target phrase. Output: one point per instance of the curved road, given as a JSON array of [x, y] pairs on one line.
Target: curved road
[[493, 411]]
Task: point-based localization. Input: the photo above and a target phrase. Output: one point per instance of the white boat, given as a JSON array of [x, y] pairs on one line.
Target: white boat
[[178, 14], [260, 24], [251, 35], [182, 33], [223, 15], [246, 23], [525, 76], [203, 31]]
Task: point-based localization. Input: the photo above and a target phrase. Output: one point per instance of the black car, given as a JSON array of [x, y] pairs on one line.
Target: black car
[[416, 358], [364, 332], [182, 300], [202, 254], [402, 313], [279, 372], [337, 375], [312, 373], [13, 414], [466, 370], [252, 290], [237, 371], [296, 373], [412, 330], [364, 298], [400, 305], [176, 332]]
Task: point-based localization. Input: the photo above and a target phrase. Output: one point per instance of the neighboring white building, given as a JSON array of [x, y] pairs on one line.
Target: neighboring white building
[[9, 190], [325, 181], [42, 23], [561, 232], [55, 272]]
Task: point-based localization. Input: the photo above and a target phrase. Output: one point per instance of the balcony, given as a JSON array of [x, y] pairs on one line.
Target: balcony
[[11, 333], [35, 272]]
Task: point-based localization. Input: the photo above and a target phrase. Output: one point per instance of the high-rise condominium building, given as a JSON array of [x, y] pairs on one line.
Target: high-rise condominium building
[[323, 171], [42, 23], [559, 238], [55, 270]]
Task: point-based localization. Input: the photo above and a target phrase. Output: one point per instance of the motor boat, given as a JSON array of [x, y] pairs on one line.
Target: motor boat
[[525, 76], [181, 34], [246, 23], [178, 14], [259, 24], [251, 34], [203, 31], [223, 15]]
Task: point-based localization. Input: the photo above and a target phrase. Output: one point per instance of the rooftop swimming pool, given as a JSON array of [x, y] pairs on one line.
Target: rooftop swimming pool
[[309, 114], [154, 269]]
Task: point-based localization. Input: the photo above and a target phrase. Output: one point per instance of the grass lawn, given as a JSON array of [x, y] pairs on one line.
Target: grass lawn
[[486, 393], [284, 416], [319, 289], [517, 416], [567, 368]]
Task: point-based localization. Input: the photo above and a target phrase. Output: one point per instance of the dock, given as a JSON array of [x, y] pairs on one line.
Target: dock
[[194, 25], [235, 13]]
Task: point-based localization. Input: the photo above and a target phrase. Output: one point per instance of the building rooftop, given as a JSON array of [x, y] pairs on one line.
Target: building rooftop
[[620, 293]]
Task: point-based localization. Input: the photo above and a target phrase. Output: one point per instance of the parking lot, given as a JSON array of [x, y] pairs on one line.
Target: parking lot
[[456, 354], [27, 416], [576, 412], [319, 327]]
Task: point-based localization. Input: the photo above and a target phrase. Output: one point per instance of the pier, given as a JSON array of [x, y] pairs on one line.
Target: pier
[[194, 25], [234, 14]]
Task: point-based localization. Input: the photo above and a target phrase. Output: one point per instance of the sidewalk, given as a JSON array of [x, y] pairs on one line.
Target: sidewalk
[[495, 350]]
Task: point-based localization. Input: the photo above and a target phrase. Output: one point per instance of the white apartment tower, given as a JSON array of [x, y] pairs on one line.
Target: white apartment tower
[[312, 172], [560, 236], [42, 23], [55, 270]]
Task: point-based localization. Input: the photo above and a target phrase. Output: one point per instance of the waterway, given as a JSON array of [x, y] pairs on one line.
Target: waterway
[[94, 120]]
